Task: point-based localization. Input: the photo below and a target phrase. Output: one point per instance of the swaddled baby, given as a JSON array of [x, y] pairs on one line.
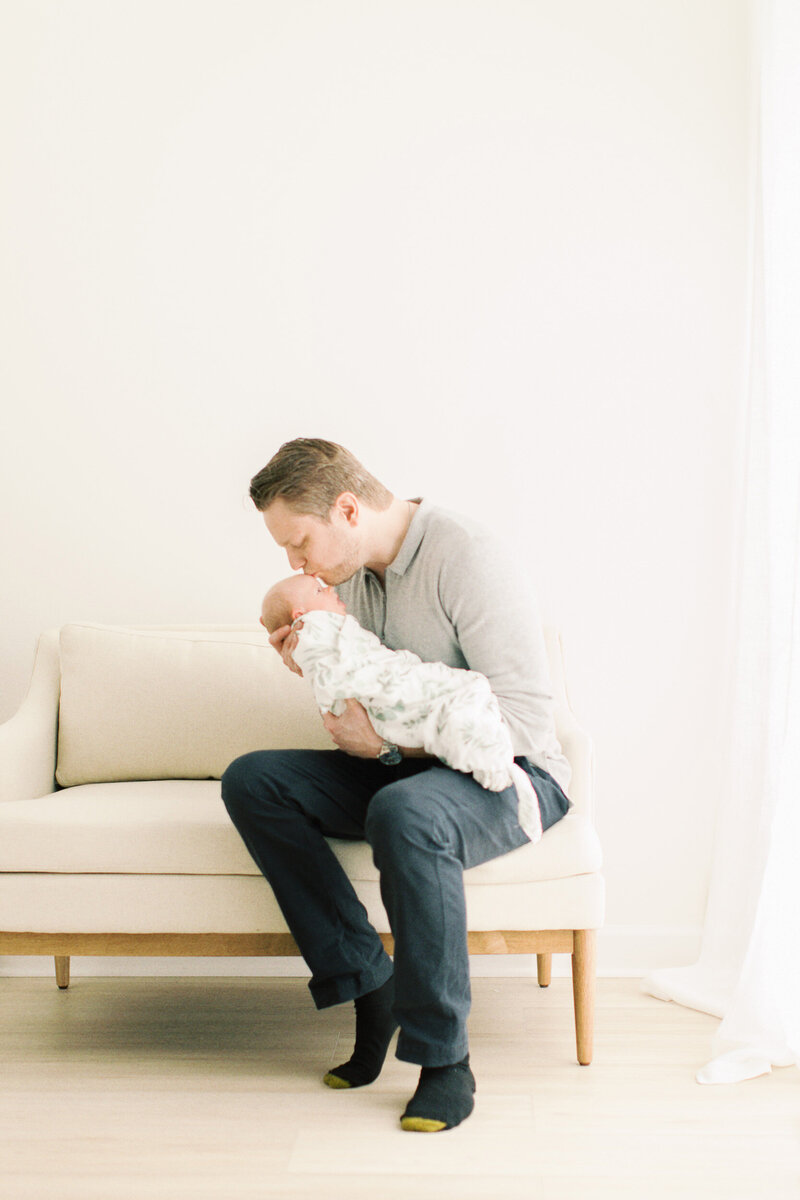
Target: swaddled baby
[[450, 712]]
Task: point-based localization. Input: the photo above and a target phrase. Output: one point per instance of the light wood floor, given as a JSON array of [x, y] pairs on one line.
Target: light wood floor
[[170, 1089]]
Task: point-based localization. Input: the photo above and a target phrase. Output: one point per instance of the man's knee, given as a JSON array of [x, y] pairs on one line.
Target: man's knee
[[237, 781], [399, 813], [258, 776]]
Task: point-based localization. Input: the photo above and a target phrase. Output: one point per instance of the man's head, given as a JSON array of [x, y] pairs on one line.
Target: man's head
[[295, 596], [313, 496], [310, 474]]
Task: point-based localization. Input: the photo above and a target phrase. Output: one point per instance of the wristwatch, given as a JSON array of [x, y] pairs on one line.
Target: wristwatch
[[389, 754]]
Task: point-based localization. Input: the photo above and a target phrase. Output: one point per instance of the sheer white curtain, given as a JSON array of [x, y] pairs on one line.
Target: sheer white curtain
[[749, 967]]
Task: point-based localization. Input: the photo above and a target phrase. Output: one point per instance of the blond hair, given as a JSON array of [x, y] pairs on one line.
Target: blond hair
[[310, 474]]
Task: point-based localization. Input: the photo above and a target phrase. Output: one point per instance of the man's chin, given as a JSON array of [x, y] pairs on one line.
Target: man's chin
[[336, 575]]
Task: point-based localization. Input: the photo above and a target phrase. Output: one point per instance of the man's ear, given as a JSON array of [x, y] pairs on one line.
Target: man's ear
[[347, 504]]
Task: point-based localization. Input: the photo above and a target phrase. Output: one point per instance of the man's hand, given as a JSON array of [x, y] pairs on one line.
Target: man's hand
[[353, 731], [284, 640]]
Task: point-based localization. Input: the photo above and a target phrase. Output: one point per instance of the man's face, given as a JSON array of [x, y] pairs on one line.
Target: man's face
[[317, 547]]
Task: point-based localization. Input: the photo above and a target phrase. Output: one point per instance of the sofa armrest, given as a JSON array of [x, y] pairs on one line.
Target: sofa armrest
[[28, 740], [578, 748], [574, 740]]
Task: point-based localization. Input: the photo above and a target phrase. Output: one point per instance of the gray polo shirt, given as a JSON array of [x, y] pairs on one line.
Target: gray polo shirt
[[453, 595]]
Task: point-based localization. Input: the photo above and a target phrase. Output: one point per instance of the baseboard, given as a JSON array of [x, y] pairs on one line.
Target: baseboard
[[622, 950]]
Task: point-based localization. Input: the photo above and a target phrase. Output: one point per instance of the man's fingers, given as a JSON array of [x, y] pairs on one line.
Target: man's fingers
[[284, 640], [352, 730], [289, 647], [277, 638]]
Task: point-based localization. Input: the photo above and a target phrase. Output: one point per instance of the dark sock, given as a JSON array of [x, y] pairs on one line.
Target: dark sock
[[375, 1027], [443, 1099]]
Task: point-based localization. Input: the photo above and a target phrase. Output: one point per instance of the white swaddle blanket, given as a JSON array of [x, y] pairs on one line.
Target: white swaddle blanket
[[451, 713]]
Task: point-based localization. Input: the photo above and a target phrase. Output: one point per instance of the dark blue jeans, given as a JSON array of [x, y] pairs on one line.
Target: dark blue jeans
[[425, 824]]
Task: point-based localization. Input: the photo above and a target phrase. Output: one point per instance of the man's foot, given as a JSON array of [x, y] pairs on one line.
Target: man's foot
[[443, 1099], [375, 1027]]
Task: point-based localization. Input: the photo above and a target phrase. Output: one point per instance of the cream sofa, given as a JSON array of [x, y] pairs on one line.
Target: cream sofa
[[114, 839]]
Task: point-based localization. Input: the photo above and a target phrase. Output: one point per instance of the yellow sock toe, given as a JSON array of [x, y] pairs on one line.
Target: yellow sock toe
[[422, 1124], [334, 1081]]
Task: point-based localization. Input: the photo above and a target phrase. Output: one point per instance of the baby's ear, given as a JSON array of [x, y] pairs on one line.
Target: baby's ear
[[298, 612]]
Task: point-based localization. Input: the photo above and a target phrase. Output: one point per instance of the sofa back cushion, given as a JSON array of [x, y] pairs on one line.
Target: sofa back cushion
[[182, 704]]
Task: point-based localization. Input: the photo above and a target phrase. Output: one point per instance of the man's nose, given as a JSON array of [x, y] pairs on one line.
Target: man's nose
[[296, 561]]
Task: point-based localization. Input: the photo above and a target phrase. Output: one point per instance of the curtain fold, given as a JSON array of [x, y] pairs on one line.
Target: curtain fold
[[748, 972]]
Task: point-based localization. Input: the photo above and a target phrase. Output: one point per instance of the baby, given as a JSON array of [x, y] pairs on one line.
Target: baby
[[451, 713]]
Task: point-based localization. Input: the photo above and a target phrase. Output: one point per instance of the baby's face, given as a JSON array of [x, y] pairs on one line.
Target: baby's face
[[309, 594]]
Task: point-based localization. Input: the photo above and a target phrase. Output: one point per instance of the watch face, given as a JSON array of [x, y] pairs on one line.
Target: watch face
[[390, 756]]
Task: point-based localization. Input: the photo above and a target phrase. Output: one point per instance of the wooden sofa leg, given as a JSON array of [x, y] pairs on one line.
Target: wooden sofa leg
[[583, 987], [62, 972], [544, 964]]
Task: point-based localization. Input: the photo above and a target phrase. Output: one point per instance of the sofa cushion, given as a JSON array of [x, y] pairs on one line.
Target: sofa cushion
[[174, 705], [181, 827], [244, 904]]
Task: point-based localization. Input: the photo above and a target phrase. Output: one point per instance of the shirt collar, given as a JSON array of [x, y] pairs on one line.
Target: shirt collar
[[414, 535]]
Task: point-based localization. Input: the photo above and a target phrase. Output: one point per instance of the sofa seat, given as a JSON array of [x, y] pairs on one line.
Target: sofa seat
[[181, 827], [160, 855]]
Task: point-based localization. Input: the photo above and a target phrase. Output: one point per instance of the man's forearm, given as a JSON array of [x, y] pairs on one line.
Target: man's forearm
[[354, 733]]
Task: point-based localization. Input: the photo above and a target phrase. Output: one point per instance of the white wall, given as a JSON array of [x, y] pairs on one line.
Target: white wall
[[497, 248]]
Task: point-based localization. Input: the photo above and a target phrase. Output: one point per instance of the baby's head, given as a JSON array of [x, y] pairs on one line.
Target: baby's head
[[293, 597]]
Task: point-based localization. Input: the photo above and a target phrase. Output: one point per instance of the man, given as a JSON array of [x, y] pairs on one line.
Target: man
[[425, 580]]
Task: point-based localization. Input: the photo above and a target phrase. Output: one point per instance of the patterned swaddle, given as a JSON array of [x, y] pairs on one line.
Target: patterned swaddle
[[451, 713]]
